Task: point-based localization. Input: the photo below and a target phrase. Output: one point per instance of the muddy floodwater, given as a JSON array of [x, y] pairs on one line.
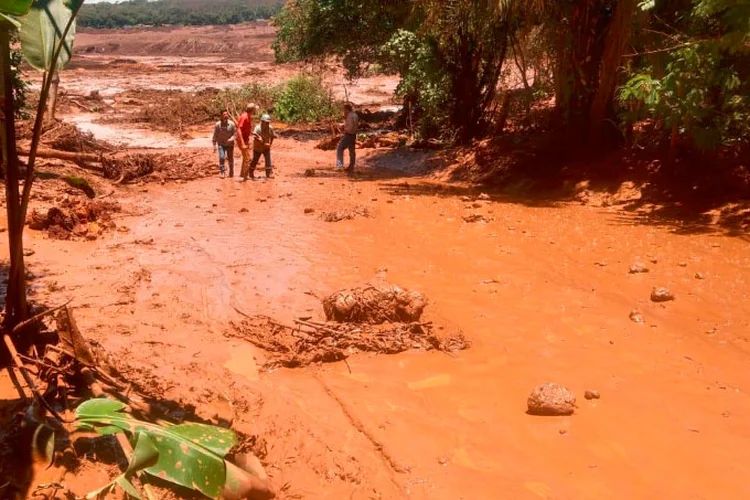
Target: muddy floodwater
[[542, 291]]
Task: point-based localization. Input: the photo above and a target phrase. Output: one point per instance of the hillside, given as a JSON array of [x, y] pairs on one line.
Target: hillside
[[176, 12]]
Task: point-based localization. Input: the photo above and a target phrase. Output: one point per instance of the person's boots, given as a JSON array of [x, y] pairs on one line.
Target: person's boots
[[269, 173]]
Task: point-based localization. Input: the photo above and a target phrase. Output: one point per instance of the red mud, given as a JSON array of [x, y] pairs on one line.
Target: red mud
[[542, 292]]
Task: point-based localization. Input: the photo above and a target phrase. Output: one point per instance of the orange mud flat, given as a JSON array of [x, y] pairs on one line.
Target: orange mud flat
[[543, 292]]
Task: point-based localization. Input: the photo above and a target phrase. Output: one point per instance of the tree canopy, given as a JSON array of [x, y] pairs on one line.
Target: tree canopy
[[176, 12], [681, 63]]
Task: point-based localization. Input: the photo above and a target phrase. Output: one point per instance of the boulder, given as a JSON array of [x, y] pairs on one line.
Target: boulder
[[551, 399]]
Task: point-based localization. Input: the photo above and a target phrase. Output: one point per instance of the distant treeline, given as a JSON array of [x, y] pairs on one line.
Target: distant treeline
[[176, 12]]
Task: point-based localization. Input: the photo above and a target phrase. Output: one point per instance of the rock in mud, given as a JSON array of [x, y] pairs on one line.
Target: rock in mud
[[638, 268], [635, 317], [662, 295], [474, 218], [309, 211], [244, 210], [550, 400], [592, 395], [484, 197], [700, 276]]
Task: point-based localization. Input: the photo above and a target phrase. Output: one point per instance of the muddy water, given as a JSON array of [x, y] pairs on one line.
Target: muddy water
[[543, 292]]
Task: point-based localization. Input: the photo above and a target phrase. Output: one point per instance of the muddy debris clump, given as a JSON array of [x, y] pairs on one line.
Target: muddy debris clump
[[310, 342], [551, 400], [66, 137], [347, 214], [374, 305], [74, 218], [385, 320], [129, 167]]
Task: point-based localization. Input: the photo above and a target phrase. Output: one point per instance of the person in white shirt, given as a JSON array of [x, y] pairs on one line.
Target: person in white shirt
[[349, 140]]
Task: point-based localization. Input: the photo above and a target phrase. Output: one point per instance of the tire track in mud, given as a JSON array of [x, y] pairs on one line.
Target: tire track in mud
[[379, 447]]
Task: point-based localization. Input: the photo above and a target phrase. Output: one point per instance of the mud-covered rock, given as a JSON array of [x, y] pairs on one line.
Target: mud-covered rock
[[551, 399], [639, 268], [592, 395], [636, 317], [661, 294]]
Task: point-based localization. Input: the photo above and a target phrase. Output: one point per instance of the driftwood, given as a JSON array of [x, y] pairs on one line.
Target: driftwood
[[63, 155]]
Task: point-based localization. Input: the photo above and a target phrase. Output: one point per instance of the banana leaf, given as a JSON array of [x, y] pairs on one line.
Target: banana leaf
[[145, 455], [190, 455], [7, 22], [15, 7], [41, 31]]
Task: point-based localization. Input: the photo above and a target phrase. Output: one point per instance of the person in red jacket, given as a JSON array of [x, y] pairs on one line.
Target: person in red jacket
[[244, 131]]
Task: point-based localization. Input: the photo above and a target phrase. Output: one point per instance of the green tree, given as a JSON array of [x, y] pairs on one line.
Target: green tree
[[693, 77], [45, 28]]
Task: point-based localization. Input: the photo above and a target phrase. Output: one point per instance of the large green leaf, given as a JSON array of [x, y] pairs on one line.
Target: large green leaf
[[5, 21], [190, 455], [145, 455], [41, 31], [15, 7]]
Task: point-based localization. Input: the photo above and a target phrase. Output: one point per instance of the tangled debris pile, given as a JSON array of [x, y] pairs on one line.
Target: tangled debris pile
[[66, 137], [74, 218], [128, 168], [384, 320]]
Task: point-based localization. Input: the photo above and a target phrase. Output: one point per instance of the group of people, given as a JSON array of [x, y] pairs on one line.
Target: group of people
[[227, 133]]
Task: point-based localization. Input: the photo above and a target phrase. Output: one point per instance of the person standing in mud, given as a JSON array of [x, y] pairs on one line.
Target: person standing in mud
[[349, 140], [245, 129], [225, 134], [263, 138]]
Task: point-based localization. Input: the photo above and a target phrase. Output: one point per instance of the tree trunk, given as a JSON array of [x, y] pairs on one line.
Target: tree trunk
[[52, 106], [580, 41], [618, 36], [16, 307]]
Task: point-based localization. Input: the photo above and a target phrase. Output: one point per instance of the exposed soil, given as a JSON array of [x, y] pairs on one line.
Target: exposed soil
[[540, 289]]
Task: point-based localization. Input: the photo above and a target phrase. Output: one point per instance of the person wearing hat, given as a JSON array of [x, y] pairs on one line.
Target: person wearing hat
[[263, 137], [244, 130]]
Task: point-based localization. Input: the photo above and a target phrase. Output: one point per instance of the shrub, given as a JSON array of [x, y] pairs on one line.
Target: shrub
[[305, 99], [262, 95]]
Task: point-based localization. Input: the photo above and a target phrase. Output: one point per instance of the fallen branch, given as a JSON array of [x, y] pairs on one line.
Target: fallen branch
[[20, 326], [63, 155], [27, 378]]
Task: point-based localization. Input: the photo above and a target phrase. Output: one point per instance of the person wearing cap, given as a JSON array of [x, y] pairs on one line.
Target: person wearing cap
[[244, 130], [225, 133], [263, 137], [349, 140]]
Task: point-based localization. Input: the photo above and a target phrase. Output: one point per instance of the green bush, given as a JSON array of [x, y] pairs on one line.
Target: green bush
[[305, 99], [262, 95]]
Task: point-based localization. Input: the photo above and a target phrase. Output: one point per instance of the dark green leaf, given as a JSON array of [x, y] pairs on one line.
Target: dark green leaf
[[15, 7], [124, 483], [145, 454]]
